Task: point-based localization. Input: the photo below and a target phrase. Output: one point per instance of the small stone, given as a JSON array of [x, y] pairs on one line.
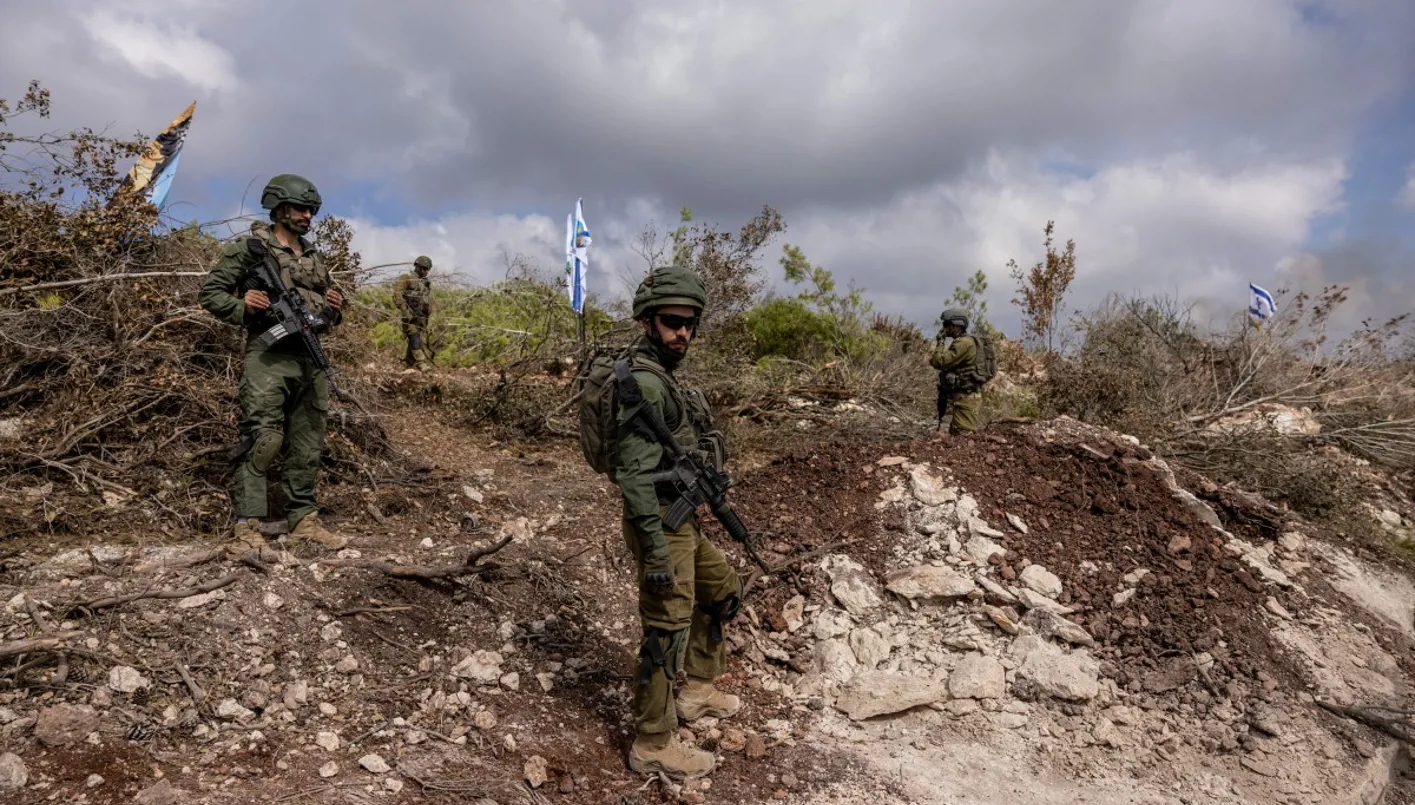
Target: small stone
[[426, 543], [793, 613], [1123, 597], [756, 746], [415, 737], [979, 549], [393, 784], [537, 771], [94, 781], [296, 694], [162, 793], [929, 582], [124, 679], [929, 489], [995, 592], [375, 764], [328, 741], [473, 494], [1005, 618], [978, 677], [1133, 577], [869, 647], [1016, 522], [892, 461], [962, 707], [485, 721], [348, 665], [511, 681], [733, 740], [1278, 609], [272, 601], [1179, 543], [328, 709], [194, 601], [63, 724], [13, 773], [329, 770], [1010, 721], [331, 632], [483, 667], [1106, 734], [1039, 579], [232, 709]]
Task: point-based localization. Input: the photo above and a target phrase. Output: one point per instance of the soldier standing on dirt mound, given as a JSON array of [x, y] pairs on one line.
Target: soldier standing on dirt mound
[[284, 404], [959, 389], [687, 590], [413, 297]]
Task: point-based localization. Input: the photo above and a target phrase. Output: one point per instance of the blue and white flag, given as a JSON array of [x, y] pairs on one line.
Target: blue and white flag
[[1260, 305], [152, 174], [577, 259]]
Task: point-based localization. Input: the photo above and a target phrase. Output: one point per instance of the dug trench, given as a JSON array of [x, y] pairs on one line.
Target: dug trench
[[1038, 614]]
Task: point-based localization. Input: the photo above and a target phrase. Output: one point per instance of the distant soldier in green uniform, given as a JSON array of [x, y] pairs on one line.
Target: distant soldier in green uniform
[[964, 366], [284, 404], [687, 590], [413, 297]]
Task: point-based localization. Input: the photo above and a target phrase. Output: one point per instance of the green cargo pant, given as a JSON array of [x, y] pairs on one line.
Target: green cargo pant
[[678, 622], [284, 405], [417, 353], [964, 412]]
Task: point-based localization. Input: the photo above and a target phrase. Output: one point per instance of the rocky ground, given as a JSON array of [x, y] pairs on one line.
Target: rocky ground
[[1038, 615]]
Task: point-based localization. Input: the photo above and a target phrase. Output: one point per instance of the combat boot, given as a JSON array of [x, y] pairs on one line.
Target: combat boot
[[664, 753], [309, 529], [248, 533], [699, 698]]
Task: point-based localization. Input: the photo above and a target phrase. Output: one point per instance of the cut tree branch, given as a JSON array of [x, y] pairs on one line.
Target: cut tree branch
[[44, 286], [424, 572], [118, 600]]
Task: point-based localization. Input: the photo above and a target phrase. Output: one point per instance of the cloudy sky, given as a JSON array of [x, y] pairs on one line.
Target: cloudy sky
[[1188, 146]]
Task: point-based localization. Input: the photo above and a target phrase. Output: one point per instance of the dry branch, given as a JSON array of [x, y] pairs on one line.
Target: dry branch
[[18, 647], [118, 600], [424, 572], [1398, 728], [44, 286]]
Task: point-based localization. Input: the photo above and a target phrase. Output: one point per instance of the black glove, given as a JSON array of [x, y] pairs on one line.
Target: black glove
[[658, 569]]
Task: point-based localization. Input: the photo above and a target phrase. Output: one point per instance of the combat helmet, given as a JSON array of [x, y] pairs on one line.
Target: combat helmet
[[423, 261], [670, 285], [287, 188], [955, 315]]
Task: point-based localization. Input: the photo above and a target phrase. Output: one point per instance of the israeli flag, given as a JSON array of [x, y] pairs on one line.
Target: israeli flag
[[1261, 306], [577, 256]]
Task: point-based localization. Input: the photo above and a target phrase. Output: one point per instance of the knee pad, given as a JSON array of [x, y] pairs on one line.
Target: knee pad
[[264, 450], [720, 612], [664, 649]]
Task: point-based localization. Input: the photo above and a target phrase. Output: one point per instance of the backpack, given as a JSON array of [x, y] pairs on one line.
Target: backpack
[[984, 366], [599, 428], [599, 414]]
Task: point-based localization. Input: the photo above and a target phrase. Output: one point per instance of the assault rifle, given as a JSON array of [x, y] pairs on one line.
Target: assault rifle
[[696, 481], [292, 315]]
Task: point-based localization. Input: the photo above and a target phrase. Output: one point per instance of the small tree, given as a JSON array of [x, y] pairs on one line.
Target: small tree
[[1041, 289]]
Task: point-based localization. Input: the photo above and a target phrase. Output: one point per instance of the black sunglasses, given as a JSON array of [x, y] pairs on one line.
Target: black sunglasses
[[674, 322]]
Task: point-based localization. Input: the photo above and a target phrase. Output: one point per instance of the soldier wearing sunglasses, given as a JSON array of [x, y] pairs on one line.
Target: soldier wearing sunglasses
[[687, 589]]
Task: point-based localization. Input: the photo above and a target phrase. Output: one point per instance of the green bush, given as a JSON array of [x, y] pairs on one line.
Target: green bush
[[788, 328]]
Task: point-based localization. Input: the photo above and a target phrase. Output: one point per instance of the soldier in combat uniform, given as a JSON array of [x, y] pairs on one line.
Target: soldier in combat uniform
[[959, 397], [687, 590], [413, 297], [284, 404]]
